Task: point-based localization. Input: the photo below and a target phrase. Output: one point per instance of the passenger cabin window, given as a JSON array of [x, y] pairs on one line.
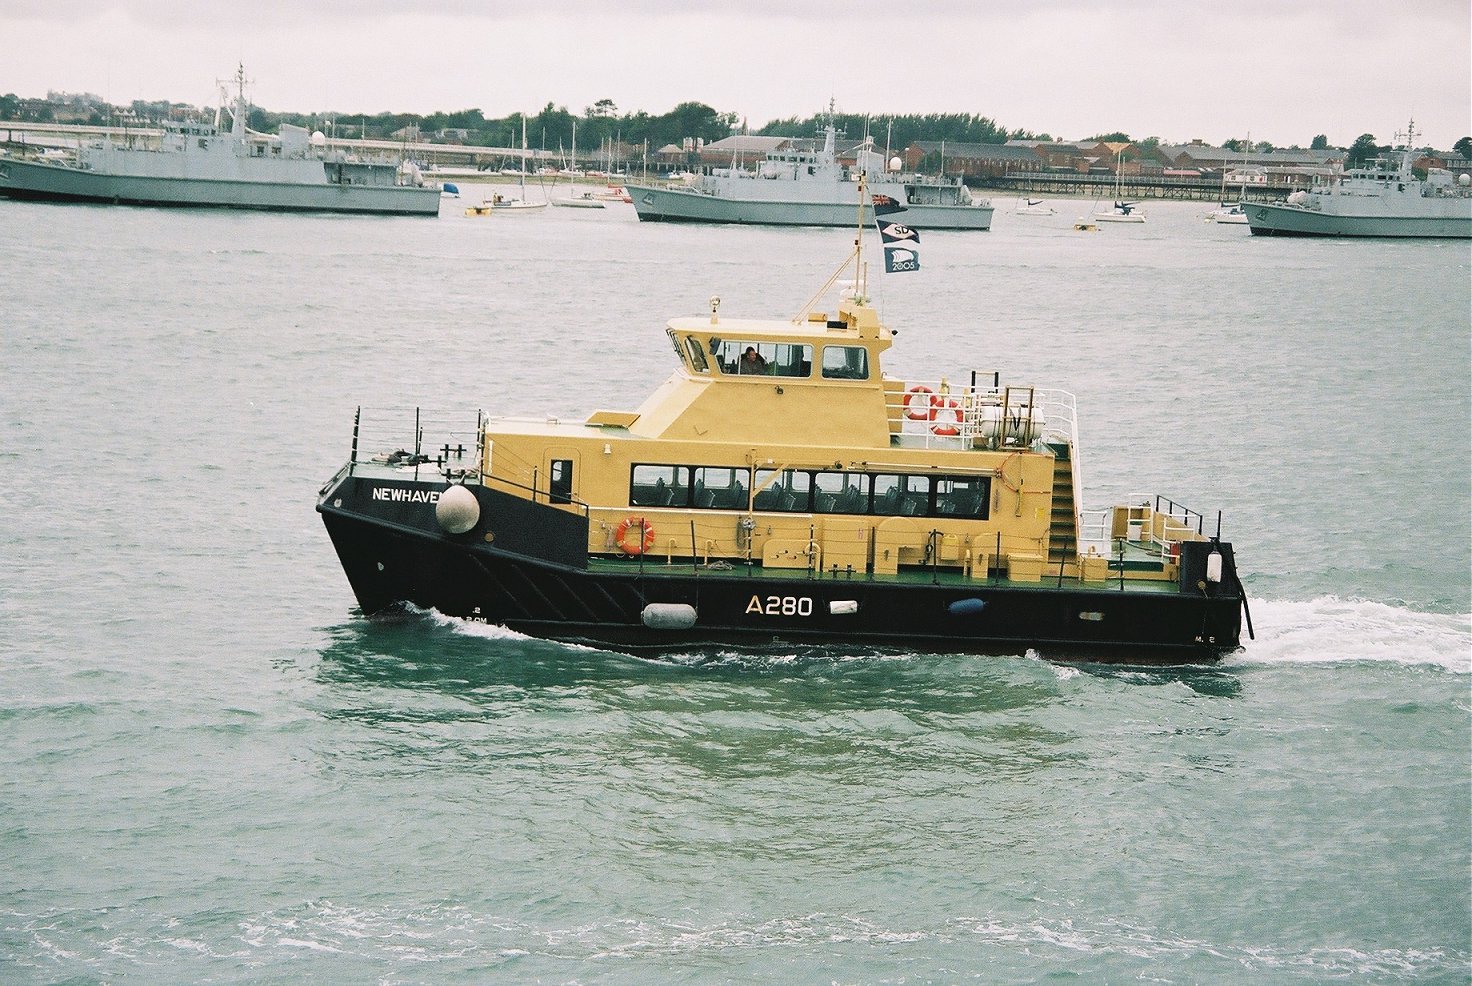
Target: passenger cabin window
[[559, 483], [903, 496], [721, 487], [772, 359], [815, 491], [840, 493], [845, 363], [660, 486], [961, 496], [787, 493]]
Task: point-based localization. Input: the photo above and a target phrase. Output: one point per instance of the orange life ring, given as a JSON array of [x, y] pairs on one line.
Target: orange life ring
[[639, 545], [940, 409], [926, 413]]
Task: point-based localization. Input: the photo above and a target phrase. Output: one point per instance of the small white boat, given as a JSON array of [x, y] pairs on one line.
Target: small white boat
[[613, 193], [1034, 207], [1230, 213], [1123, 212], [498, 204], [579, 200]]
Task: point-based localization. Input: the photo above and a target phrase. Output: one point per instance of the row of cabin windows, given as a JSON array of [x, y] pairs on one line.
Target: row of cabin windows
[[810, 491], [777, 359]]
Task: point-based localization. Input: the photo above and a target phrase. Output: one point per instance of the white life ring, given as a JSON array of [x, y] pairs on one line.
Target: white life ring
[[945, 416], [924, 410]]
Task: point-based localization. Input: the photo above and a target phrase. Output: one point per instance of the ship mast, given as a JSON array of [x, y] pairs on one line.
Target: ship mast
[[238, 110]]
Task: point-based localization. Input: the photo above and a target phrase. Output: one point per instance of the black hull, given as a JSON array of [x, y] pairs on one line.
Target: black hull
[[394, 553]]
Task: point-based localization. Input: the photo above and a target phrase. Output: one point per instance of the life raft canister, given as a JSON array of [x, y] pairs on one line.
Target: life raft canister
[[945, 416], [923, 410], [638, 544]]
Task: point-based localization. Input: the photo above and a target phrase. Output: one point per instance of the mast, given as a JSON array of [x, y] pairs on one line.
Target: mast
[[860, 288], [237, 126], [1405, 161]]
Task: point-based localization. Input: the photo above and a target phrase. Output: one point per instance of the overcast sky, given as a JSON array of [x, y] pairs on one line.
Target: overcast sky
[[1283, 70]]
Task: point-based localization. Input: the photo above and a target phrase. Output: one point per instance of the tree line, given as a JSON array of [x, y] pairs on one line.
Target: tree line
[[552, 128]]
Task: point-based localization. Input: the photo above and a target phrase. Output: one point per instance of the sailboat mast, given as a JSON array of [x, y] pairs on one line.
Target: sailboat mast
[[860, 288], [523, 157]]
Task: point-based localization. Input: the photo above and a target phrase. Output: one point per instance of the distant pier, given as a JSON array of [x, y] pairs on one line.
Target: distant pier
[[1131, 186]]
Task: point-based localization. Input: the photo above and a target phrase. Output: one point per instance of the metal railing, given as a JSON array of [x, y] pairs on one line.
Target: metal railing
[[419, 438], [1153, 526], [982, 413]]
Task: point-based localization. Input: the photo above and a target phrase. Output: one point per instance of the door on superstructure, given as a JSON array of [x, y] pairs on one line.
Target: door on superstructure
[[560, 475]]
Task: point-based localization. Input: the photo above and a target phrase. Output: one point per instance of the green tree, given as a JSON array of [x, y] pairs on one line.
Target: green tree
[[1364, 148], [9, 106], [1463, 148], [1319, 143]]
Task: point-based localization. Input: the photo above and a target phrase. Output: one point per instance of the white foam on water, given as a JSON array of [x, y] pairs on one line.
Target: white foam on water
[[1331, 630], [484, 631], [1325, 630]]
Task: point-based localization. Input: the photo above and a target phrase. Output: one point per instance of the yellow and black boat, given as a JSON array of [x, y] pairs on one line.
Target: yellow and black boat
[[779, 487]]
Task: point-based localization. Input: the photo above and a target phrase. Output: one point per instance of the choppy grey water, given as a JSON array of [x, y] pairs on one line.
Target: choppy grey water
[[212, 768]]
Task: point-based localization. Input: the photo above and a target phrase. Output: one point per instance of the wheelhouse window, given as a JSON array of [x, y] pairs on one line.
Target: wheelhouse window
[[845, 363], [660, 486], [771, 359], [697, 355]]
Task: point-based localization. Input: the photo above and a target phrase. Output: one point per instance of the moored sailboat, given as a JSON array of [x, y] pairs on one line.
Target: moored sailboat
[[1122, 211]]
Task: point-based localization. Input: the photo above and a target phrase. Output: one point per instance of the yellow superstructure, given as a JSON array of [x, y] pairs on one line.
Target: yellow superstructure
[[781, 443]]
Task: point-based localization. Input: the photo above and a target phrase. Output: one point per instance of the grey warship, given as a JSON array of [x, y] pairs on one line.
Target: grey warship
[[1383, 198], [203, 165]]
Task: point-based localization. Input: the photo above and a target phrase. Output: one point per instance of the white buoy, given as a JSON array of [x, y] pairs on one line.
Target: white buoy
[[1214, 566], [457, 510], [843, 607], [668, 616]]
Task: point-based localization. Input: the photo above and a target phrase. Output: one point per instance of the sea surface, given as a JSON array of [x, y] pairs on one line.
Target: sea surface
[[213, 768]]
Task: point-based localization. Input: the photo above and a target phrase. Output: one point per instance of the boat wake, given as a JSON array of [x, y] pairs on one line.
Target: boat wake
[[1331, 630], [484, 631], [1327, 630]]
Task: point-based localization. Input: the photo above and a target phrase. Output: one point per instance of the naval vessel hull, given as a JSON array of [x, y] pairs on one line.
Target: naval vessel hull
[[58, 183], [674, 205], [1444, 219]]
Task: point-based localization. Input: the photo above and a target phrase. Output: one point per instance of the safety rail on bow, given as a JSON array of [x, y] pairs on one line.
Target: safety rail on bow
[[419, 442]]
